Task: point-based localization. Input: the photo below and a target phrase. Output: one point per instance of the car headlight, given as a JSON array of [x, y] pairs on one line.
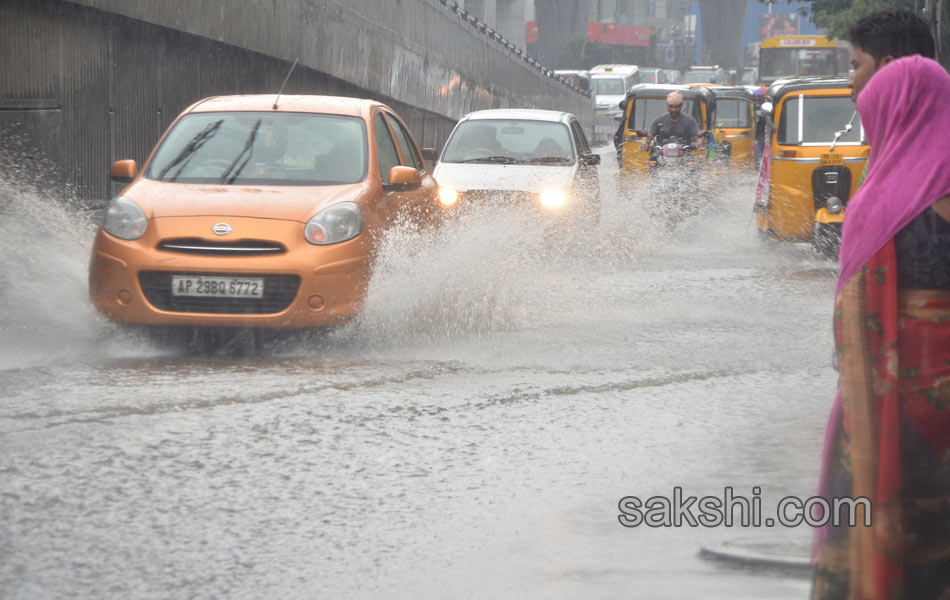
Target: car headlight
[[125, 219], [448, 196], [337, 223], [553, 198]]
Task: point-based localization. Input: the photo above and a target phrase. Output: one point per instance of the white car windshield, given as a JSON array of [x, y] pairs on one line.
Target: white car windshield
[[262, 148], [510, 141], [609, 86]]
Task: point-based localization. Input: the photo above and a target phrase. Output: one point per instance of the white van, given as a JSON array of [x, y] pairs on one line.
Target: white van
[[610, 84]]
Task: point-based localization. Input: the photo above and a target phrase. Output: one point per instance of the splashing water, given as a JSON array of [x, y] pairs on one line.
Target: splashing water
[[45, 313]]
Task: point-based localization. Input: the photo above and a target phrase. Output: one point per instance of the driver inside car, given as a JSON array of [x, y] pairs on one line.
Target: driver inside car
[[481, 141], [674, 125]]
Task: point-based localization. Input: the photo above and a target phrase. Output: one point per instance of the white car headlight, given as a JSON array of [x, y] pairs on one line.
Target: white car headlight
[[553, 198], [337, 223], [448, 196], [125, 219]]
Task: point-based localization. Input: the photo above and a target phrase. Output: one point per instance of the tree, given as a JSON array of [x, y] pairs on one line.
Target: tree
[[836, 17]]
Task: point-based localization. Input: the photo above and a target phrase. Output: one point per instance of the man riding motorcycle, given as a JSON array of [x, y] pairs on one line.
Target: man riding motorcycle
[[674, 125]]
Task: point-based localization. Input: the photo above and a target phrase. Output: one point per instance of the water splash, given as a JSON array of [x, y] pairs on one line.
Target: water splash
[[45, 313]]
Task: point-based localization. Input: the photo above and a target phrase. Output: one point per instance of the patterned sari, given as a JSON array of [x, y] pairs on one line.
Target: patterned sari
[[892, 443]]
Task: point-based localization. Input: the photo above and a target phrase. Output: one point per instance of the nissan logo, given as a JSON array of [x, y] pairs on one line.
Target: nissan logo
[[221, 229]]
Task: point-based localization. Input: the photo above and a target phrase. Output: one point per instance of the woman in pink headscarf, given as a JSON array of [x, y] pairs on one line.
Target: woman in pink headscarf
[[889, 434]]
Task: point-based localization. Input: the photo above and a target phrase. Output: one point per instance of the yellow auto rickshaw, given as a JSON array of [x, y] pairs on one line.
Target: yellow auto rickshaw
[[644, 103], [814, 154], [735, 123]]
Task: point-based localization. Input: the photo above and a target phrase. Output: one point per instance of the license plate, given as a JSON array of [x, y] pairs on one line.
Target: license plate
[[832, 159], [218, 287]]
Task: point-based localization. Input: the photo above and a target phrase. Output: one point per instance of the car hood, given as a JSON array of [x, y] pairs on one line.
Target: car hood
[[523, 178], [295, 203]]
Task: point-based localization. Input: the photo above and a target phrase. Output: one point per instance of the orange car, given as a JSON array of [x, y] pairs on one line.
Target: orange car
[[254, 211]]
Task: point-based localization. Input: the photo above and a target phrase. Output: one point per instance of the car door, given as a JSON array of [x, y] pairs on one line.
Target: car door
[[387, 157], [587, 180], [421, 201]]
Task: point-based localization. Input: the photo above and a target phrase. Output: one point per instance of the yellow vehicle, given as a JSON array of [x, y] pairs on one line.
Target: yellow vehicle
[[644, 103], [815, 152], [735, 123], [787, 56]]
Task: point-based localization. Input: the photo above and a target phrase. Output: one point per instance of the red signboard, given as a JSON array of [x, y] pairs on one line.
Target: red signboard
[[603, 33], [595, 33], [531, 32]]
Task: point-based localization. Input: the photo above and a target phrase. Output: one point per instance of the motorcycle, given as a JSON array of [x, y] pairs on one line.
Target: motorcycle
[[675, 169]]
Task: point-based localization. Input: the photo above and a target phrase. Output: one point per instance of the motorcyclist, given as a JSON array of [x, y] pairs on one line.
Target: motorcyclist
[[674, 125]]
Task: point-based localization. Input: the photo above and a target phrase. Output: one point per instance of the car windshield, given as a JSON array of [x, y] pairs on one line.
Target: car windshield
[[733, 112], [609, 86], [510, 141], [262, 148], [646, 110], [814, 120], [794, 62]]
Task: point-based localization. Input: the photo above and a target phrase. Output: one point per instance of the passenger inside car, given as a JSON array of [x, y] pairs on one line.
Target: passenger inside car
[[549, 147]]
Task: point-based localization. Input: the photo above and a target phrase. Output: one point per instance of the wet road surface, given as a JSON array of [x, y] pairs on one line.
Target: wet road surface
[[470, 436]]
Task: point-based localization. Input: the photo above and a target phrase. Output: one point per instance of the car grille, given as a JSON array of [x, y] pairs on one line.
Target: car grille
[[279, 292], [505, 197], [218, 248]]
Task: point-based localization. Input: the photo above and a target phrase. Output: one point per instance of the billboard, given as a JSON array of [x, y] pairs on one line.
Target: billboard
[[772, 24]]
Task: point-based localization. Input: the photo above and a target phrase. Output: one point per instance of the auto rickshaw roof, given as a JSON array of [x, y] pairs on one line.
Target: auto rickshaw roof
[[781, 87], [662, 90], [740, 92]]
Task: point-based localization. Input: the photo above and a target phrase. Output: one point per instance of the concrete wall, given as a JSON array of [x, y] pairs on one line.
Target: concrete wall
[[86, 82], [425, 53]]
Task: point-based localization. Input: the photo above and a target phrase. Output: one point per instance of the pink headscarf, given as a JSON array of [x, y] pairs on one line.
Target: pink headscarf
[[905, 110]]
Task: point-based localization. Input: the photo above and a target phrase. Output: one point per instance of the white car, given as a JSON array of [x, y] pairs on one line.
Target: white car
[[524, 156]]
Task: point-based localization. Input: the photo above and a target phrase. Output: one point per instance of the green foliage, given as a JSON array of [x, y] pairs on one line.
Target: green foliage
[[837, 16]]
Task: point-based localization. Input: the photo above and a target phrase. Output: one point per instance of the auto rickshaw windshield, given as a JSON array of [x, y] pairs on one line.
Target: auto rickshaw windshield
[[646, 110], [814, 120], [733, 112]]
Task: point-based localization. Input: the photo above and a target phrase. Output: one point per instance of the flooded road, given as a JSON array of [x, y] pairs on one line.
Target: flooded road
[[470, 436]]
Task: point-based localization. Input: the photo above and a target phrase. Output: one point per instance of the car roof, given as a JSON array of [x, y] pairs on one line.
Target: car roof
[[614, 69], [525, 114], [336, 105]]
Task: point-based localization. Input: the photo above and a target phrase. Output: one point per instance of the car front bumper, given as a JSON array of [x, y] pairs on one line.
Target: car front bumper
[[304, 285]]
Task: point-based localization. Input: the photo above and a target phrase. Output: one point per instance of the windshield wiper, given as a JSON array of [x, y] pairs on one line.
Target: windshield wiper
[[245, 153], [189, 150], [506, 160], [549, 160]]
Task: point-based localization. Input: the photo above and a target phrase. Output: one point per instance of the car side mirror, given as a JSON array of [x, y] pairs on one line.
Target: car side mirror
[[123, 171], [403, 178], [590, 159]]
